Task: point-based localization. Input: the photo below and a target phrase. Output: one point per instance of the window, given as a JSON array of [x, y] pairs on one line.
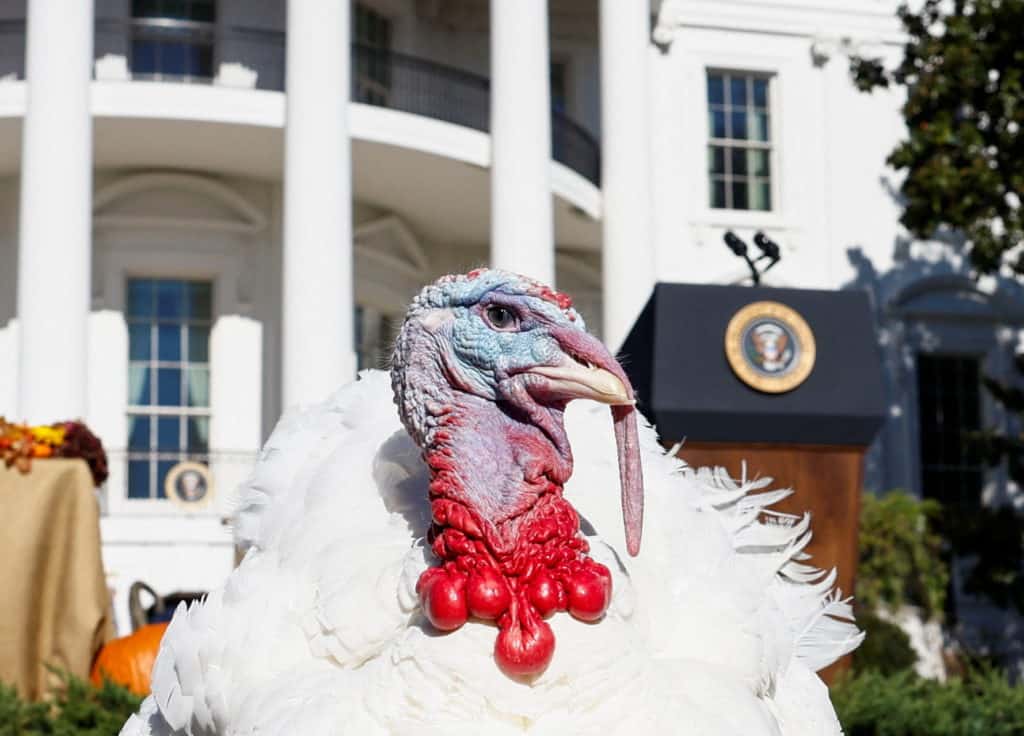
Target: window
[[558, 72], [168, 379], [173, 38], [739, 134], [372, 72], [949, 401]]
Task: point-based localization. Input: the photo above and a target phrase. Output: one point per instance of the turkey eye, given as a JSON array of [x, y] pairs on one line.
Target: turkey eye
[[501, 318]]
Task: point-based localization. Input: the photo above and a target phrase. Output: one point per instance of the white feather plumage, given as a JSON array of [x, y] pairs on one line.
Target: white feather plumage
[[716, 628]]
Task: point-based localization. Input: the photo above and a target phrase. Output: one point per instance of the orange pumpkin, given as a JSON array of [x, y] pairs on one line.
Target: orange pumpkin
[[129, 660]]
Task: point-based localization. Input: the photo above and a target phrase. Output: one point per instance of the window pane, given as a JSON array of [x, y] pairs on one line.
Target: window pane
[[138, 432], [168, 388], [172, 59], [759, 162], [716, 121], [738, 91], [138, 342], [140, 298], [198, 435], [204, 11], [738, 121], [760, 92], [169, 343], [716, 160], [163, 467], [145, 8], [138, 479], [139, 384], [199, 344], [198, 387], [760, 195], [143, 57], [204, 62], [739, 194], [200, 298], [170, 300], [168, 434], [718, 193], [557, 71], [738, 161], [716, 87], [760, 131], [949, 409]]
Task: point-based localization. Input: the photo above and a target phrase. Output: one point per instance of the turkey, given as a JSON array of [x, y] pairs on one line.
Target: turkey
[[464, 565]]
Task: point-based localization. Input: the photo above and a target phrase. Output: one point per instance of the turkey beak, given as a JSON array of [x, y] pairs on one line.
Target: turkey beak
[[589, 371]]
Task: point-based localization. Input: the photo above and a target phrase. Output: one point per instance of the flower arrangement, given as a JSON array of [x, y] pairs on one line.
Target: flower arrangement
[[20, 444]]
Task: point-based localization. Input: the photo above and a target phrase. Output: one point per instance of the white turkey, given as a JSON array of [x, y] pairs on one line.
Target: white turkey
[[434, 578]]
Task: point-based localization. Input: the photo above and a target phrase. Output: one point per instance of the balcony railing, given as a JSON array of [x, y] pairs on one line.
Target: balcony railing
[[400, 82], [205, 53]]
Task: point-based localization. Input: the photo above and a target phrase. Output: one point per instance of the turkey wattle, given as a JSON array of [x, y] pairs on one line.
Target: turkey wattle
[[343, 619]]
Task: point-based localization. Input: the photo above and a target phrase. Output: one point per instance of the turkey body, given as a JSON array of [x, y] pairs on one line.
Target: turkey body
[[717, 628]]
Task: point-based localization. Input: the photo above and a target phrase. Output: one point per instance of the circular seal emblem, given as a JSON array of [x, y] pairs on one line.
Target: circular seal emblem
[[188, 484], [770, 347]]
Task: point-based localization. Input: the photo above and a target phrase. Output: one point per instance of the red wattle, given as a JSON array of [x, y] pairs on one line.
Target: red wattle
[[589, 594], [444, 601], [525, 648], [544, 593], [516, 571], [487, 593]]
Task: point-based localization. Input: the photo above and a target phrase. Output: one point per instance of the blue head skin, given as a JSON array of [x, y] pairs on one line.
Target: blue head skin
[[505, 354]]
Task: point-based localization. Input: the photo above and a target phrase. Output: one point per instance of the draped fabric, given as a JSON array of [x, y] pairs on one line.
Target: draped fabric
[[56, 606]]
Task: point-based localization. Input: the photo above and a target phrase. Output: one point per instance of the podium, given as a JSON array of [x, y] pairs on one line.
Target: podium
[[787, 380]]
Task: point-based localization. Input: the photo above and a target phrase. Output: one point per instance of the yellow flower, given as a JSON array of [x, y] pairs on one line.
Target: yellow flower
[[49, 435]]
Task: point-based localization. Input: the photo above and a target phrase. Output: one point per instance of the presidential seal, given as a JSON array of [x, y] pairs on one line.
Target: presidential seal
[[770, 347], [188, 484]]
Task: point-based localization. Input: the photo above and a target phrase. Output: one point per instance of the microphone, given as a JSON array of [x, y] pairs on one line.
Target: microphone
[[767, 246], [770, 251], [736, 245]]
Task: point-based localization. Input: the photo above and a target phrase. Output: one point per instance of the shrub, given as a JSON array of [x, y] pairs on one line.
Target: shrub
[[983, 703], [77, 709], [886, 648], [901, 554]]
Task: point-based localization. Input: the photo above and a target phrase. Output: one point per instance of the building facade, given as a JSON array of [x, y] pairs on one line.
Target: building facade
[[211, 210]]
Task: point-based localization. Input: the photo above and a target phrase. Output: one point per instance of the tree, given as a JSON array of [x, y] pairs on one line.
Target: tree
[[963, 72], [963, 160]]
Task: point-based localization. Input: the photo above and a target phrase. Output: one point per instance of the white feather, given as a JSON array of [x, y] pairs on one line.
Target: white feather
[[716, 628]]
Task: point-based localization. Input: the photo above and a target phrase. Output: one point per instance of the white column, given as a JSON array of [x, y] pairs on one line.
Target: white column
[[55, 222], [522, 237], [628, 252], [317, 300]]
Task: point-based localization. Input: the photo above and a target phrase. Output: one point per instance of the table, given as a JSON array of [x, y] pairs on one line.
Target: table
[[56, 607]]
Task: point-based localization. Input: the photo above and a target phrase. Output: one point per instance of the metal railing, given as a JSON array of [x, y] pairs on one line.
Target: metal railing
[[399, 82], [160, 49]]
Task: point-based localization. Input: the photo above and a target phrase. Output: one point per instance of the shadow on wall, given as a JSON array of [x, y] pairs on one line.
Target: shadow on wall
[[928, 302]]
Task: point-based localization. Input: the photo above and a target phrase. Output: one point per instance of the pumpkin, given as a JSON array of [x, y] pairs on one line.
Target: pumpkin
[[129, 660]]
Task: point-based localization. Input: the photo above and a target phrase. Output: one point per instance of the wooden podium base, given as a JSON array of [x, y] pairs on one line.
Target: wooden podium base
[[827, 482]]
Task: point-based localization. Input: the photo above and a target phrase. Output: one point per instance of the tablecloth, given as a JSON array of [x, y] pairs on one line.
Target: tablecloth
[[55, 607]]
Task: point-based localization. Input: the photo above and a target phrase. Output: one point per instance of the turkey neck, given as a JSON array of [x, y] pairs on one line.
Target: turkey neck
[[489, 457]]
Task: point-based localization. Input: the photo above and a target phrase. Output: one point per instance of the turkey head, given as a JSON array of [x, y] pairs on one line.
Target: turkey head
[[483, 368]]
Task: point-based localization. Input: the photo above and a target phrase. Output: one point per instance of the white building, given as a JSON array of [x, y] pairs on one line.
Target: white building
[[186, 248]]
